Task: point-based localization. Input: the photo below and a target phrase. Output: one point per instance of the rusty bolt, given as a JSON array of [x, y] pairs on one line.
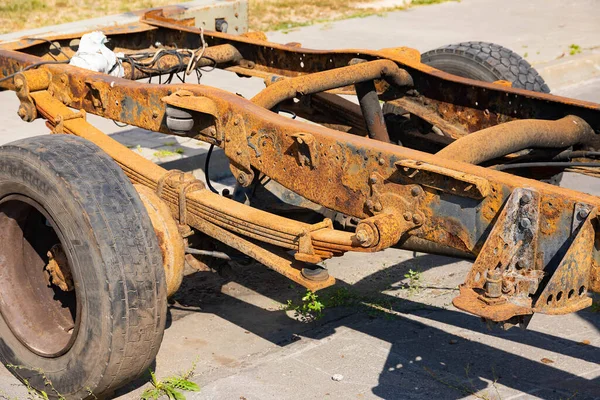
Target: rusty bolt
[[381, 161], [583, 213], [415, 191], [526, 198], [493, 284], [242, 178], [525, 223], [378, 206], [362, 237], [373, 179], [369, 204], [417, 219], [407, 216]]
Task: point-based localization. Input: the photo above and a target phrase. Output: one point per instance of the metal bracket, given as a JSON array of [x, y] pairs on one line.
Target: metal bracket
[[404, 197], [444, 179], [186, 100], [237, 150], [566, 291], [27, 110], [184, 183], [60, 119], [306, 251], [506, 272]]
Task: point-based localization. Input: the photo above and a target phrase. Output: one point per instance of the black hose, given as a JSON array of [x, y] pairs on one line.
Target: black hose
[[206, 167]]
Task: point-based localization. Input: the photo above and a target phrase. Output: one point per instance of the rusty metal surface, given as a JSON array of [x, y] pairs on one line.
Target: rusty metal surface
[[285, 89], [395, 191], [171, 243], [59, 269], [518, 135]]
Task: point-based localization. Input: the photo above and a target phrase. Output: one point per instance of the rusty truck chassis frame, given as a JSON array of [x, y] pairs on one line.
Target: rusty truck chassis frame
[[535, 245]]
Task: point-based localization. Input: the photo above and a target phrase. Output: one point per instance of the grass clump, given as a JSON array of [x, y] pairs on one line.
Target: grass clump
[[171, 386], [574, 49]]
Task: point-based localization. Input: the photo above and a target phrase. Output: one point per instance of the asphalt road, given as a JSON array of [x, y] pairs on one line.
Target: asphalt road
[[386, 341]]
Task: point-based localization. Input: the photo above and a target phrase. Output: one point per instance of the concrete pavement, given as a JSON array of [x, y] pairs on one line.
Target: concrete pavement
[[386, 340]]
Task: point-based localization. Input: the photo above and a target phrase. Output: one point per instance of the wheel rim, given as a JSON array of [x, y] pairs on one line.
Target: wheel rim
[[41, 315]]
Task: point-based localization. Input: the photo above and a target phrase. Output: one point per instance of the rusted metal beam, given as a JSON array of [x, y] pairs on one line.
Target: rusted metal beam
[[322, 81], [500, 140]]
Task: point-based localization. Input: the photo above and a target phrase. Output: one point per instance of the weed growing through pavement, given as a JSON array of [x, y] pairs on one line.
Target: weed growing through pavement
[[33, 394], [574, 49], [168, 153], [414, 281], [310, 309], [171, 386]]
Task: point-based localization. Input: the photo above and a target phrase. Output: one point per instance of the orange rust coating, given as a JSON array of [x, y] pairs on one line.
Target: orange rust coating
[[517, 135], [321, 81], [222, 54], [339, 184], [203, 204], [170, 241]]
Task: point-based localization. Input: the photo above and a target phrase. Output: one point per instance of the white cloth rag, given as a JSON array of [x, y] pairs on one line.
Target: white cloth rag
[[95, 56]]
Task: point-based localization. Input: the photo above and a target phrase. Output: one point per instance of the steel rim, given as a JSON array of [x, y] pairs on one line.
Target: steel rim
[[41, 315]]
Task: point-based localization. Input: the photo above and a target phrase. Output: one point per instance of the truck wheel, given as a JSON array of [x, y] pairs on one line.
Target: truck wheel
[[82, 288], [486, 62]]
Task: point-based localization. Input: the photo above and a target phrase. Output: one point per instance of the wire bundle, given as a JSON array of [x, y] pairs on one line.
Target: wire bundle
[[150, 64]]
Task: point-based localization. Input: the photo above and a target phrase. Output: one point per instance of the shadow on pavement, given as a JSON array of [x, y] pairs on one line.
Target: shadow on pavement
[[453, 365]]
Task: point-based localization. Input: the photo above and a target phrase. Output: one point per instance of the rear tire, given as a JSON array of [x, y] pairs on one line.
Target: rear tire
[[486, 62], [107, 330]]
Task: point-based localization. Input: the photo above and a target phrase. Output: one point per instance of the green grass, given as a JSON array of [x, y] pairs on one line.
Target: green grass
[[21, 6], [171, 387], [168, 153], [574, 49]]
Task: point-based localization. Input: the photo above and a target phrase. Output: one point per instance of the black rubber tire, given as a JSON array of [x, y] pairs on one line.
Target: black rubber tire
[[115, 261], [486, 62]]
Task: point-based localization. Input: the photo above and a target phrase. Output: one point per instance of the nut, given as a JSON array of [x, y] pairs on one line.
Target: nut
[[525, 223], [526, 198]]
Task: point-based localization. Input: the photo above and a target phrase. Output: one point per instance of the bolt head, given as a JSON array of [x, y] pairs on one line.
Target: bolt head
[[583, 213], [362, 236], [407, 216], [417, 219], [415, 191], [525, 223], [242, 178], [378, 206], [373, 179], [526, 198], [381, 161]]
